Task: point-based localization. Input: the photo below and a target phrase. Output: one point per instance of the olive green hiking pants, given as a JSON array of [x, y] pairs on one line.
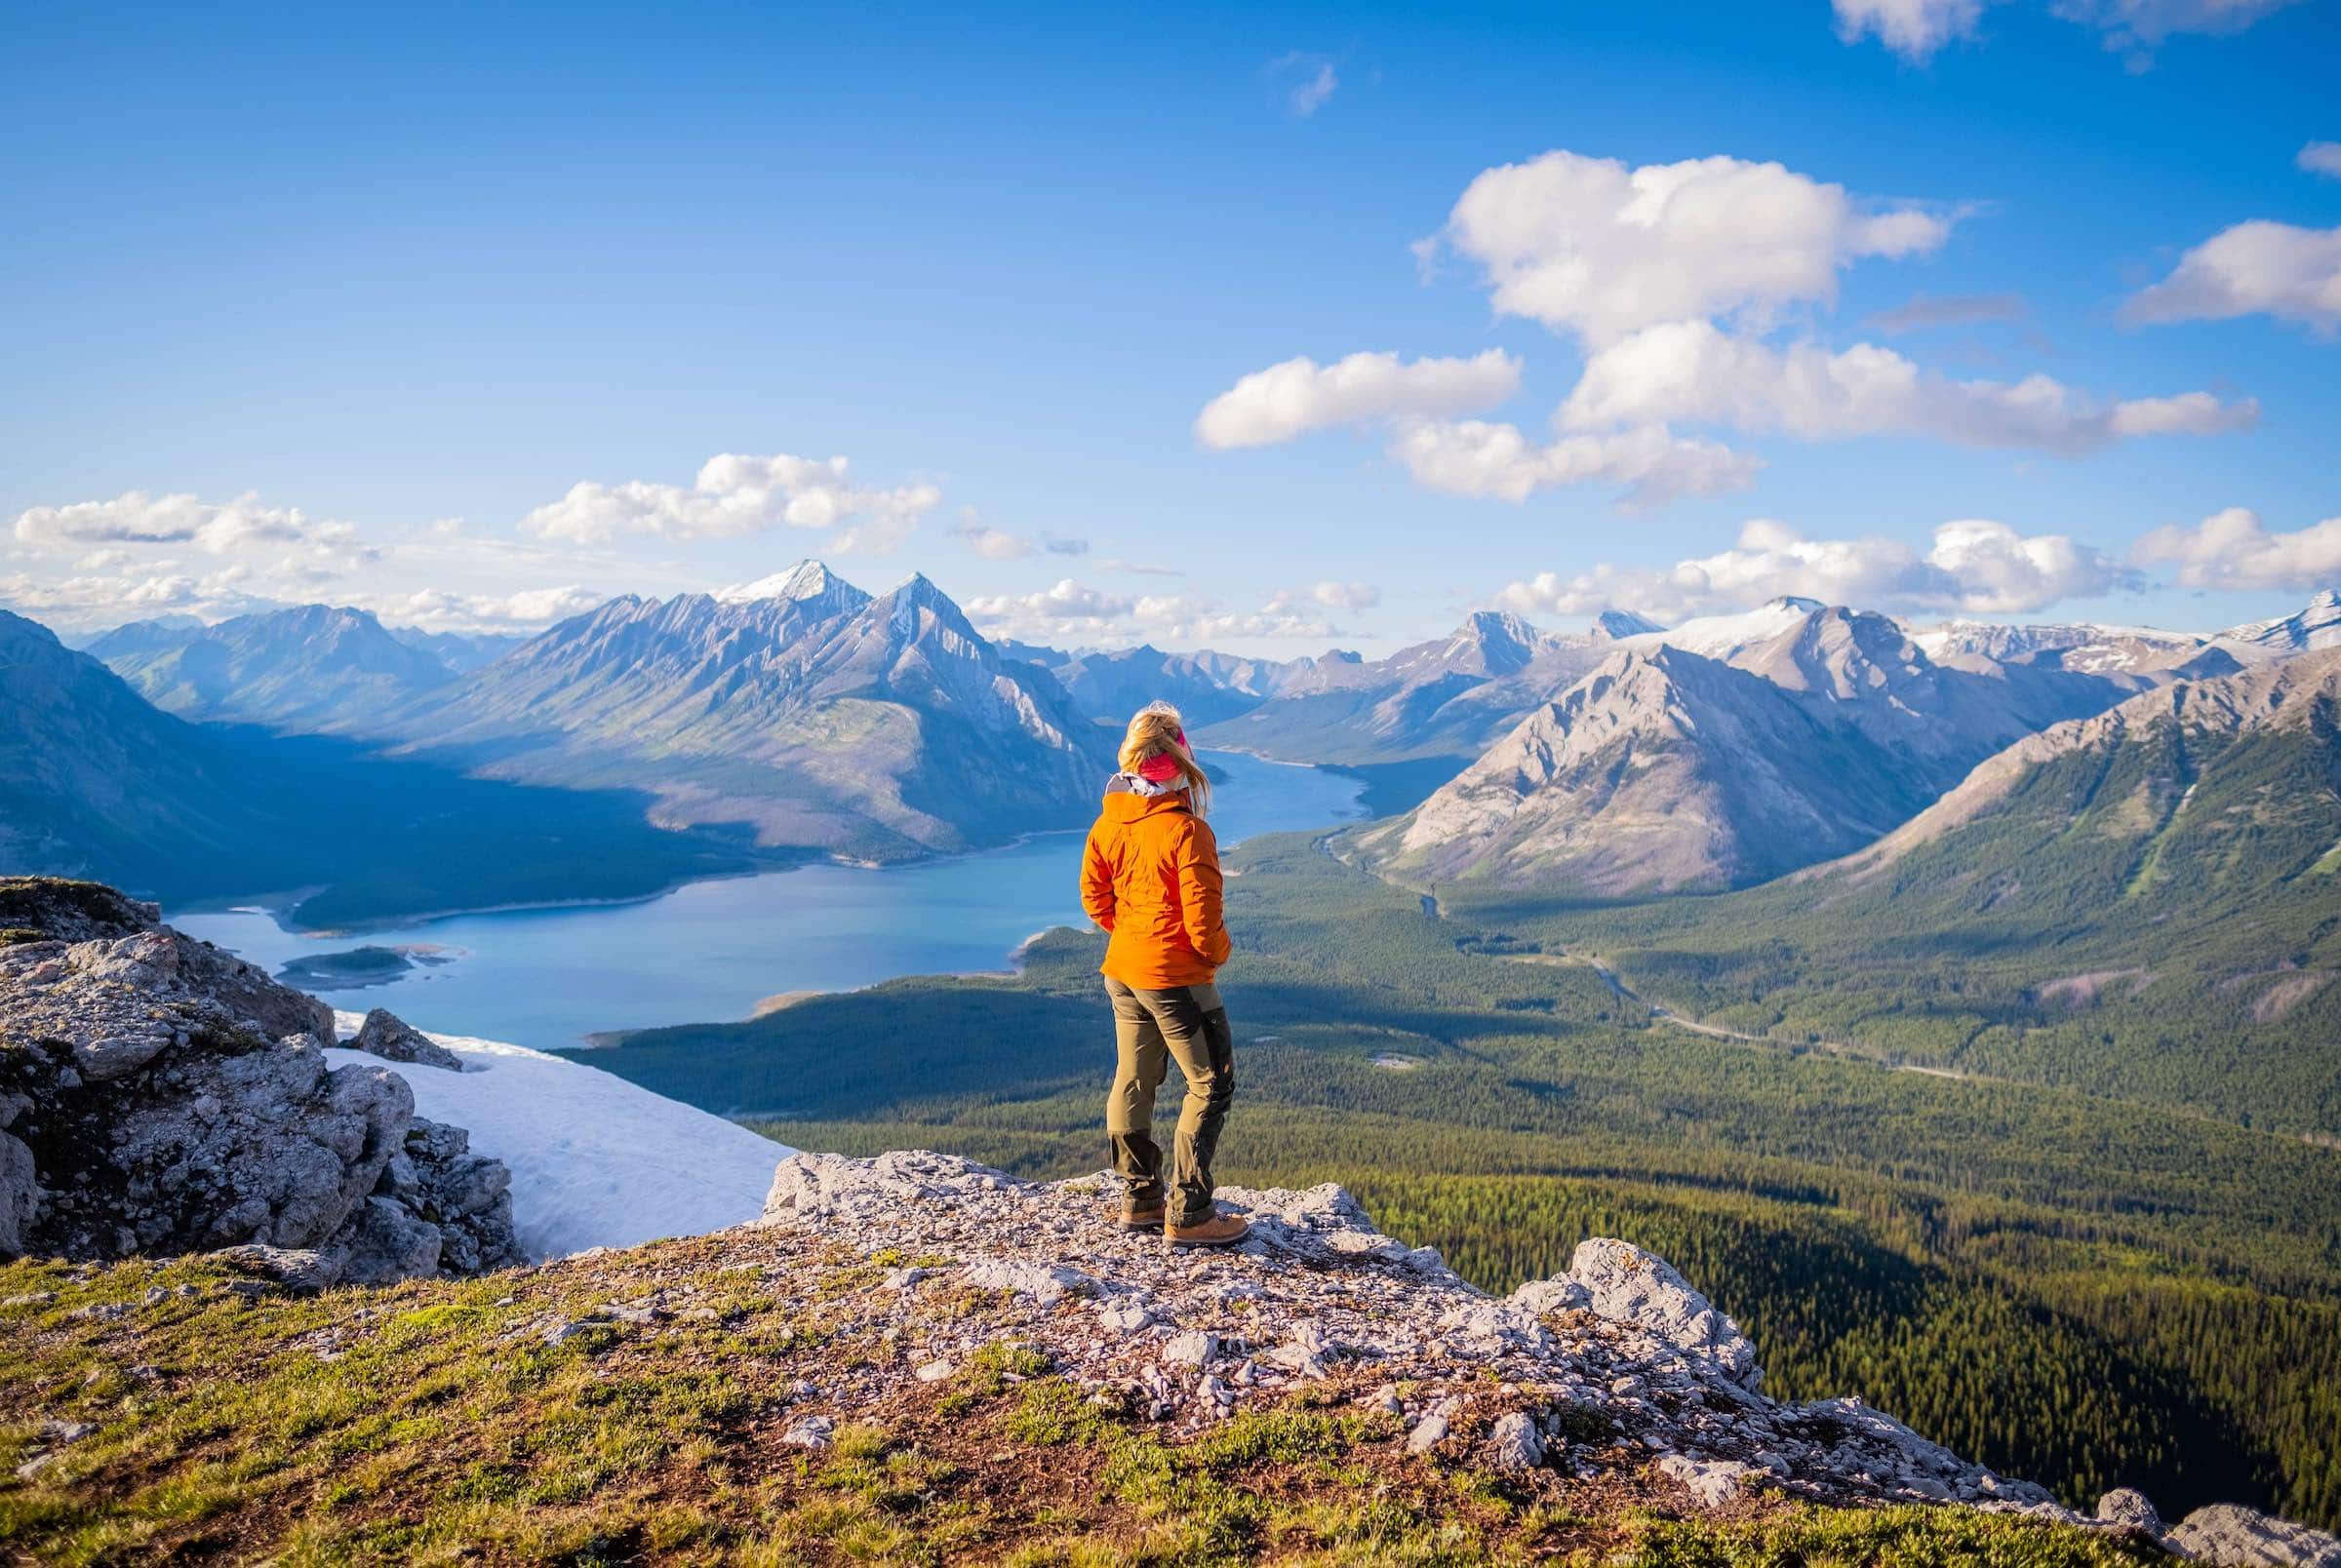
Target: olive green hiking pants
[[1152, 1028]]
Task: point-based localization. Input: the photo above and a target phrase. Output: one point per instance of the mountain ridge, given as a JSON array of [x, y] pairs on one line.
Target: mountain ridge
[[872, 726]]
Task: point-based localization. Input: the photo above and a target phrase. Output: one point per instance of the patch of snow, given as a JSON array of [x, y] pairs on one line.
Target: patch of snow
[[596, 1161], [1719, 637]]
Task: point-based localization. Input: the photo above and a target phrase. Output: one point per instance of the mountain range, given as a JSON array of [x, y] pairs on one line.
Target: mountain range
[[306, 668], [1111, 683], [812, 714], [1451, 698], [879, 727], [1729, 750], [96, 782]]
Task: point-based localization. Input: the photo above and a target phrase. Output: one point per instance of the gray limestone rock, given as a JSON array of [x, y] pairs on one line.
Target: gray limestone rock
[[1621, 1280], [161, 1096], [386, 1034], [2234, 1537]]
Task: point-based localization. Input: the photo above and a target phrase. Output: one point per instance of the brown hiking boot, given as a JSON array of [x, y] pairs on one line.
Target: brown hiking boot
[[1140, 1216], [1211, 1231]]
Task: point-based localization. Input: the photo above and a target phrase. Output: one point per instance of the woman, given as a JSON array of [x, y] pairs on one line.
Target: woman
[[1150, 877]]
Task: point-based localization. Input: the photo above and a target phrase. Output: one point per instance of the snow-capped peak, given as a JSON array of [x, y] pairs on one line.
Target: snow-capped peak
[[1719, 637], [2316, 625], [1615, 624], [805, 582]]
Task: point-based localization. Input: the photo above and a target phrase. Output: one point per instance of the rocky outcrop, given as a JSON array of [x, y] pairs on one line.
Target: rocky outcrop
[[160, 1096], [2224, 1533], [1617, 1372], [1616, 1364], [386, 1034]]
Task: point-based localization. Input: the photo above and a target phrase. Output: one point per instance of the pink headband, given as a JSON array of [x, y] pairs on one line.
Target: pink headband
[[1162, 767]]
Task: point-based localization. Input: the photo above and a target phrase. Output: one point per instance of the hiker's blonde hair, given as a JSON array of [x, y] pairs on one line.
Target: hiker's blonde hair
[[1154, 731]]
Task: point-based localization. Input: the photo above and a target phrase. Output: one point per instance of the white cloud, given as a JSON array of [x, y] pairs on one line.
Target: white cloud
[[1074, 612], [2233, 549], [1911, 29], [1497, 462], [1972, 566], [735, 495], [1915, 29], [1312, 94], [1676, 277], [137, 519], [2252, 268], [131, 557], [2321, 158], [439, 610], [109, 599], [1694, 372], [998, 545], [1349, 596], [2135, 28], [1593, 247], [1311, 82], [991, 543], [1299, 396]]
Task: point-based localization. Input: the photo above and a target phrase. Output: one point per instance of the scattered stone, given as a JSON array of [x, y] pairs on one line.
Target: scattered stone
[[1712, 1482], [1428, 1433], [934, 1371], [386, 1034], [810, 1431], [1043, 1282], [1305, 1351], [1191, 1348], [1125, 1317], [2127, 1506], [1515, 1443]]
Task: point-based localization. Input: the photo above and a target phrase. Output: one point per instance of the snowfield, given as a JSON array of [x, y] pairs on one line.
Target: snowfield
[[596, 1161]]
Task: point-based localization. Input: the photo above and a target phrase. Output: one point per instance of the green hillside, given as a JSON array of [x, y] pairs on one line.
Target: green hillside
[[2158, 921]]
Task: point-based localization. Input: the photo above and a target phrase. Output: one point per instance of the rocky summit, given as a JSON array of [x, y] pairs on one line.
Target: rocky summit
[[1613, 1378], [160, 1096]]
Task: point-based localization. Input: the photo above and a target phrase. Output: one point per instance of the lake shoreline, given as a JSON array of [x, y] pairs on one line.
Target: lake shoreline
[[570, 975]]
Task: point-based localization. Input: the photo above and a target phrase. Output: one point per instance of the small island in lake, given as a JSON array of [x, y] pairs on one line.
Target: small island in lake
[[354, 968]]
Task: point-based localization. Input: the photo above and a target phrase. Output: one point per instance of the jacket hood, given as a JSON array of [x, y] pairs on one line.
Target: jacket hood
[[1123, 804]]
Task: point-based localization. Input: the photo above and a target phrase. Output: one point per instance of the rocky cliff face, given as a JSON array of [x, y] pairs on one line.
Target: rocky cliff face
[[159, 1096]]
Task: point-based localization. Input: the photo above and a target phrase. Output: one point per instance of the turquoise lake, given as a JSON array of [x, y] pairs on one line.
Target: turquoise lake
[[713, 950]]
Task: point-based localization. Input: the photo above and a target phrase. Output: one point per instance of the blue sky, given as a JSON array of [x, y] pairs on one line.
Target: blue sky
[[344, 307]]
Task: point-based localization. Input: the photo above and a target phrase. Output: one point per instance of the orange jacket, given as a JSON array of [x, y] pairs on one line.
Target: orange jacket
[[1150, 877]]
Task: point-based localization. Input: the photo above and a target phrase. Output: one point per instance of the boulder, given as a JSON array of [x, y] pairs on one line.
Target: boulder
[[2236, 1537], [161, 1096], [2127, 1506], [1621, 1280], [386, 1034]]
